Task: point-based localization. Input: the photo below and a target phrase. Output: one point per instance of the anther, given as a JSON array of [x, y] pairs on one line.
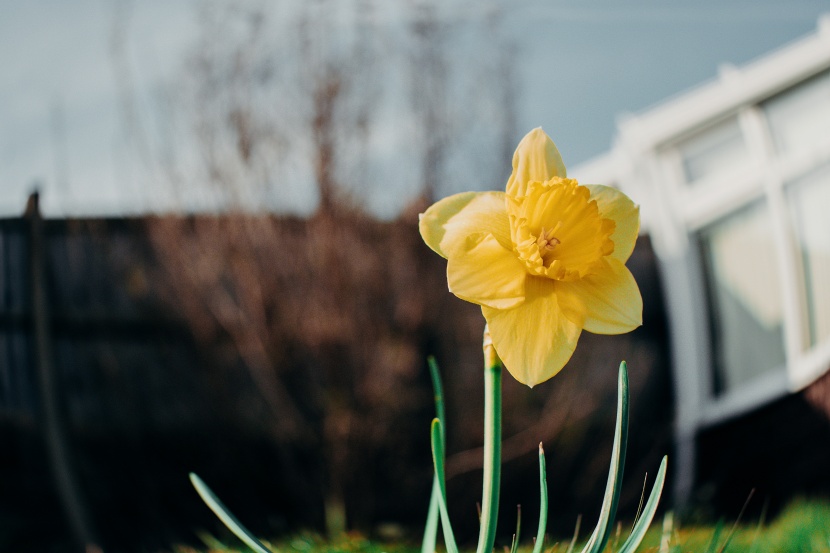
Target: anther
[[547, 241]]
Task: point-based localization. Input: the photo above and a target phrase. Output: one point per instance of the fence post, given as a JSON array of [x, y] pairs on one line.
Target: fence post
[[56, 442]]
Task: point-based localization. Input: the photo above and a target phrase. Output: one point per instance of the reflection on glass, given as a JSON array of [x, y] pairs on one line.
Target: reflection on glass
[[809, 200], [715, 150], [800, 117], [744, 295]]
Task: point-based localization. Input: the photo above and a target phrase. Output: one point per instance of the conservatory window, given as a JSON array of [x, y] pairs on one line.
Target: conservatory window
[[715, 150], [809, 199], [745, 297], [799, 118]]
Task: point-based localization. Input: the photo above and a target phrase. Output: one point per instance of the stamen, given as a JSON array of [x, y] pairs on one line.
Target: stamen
[[547, 241]]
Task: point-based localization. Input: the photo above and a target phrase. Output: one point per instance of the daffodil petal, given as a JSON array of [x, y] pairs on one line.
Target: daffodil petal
[[536, 159], [606, 302], [487, 273], [447, 224], [618, 207], [534, 339]]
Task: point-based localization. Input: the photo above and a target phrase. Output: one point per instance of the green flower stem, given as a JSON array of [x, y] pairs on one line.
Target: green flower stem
[[492, 447], [543, 502]]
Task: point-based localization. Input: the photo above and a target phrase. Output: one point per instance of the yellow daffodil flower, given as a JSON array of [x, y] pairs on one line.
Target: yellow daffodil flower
[[544, 259]]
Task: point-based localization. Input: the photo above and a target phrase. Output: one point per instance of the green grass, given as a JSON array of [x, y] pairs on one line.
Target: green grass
[[803, 527], [306, 543]]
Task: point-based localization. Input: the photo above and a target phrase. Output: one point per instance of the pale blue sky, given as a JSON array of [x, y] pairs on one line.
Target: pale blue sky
[[580, 65]]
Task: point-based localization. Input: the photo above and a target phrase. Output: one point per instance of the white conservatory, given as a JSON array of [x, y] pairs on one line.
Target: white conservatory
[[733, 179]]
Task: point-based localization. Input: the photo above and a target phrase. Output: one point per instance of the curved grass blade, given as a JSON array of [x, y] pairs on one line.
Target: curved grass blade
[[612, 489], [431, 528], [225, 516], [665, 536], [639, 531], [640, 504], [763, 517], [543, 503], [514, 546], [211, 542], [437, 437], [438, 390], [737, 521], [713, 545], [576, 535]]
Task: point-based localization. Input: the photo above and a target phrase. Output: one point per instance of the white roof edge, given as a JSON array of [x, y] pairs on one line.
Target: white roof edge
[[602, 169], [735, 87]]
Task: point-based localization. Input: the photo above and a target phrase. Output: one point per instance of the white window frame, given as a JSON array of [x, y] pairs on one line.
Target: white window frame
[[714, 198]]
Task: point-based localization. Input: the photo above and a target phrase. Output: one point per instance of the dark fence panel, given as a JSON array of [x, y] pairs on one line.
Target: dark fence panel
[[17, 394]]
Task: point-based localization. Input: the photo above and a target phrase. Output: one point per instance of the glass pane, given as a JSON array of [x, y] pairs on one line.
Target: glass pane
[[716, 150], [809, 200], [799, 118], [744, 296]]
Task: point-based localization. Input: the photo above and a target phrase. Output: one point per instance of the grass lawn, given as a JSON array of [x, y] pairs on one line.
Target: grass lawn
[[804, 527]]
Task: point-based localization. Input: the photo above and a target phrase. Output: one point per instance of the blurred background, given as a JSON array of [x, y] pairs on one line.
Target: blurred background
[[209, 259]]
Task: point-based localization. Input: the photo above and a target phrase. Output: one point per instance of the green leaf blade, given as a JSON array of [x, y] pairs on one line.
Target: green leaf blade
[[437, 438], [226, 517], [543, 503], [514, 546], [614, 485], [640, 529], [431, 528]]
